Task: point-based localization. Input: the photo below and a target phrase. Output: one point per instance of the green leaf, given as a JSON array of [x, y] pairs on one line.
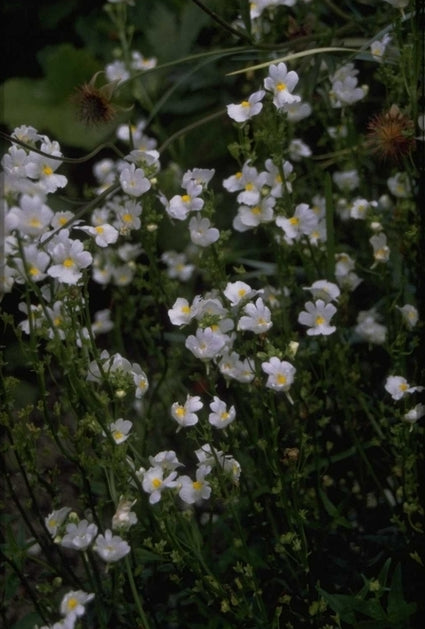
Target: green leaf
[[398, 609], [28, 622], [27, 101], [66, 68]]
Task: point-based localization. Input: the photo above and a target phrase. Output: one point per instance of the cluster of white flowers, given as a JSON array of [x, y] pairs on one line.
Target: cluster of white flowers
[[69, 531], [122, 376], [162, 475], [398, 387]]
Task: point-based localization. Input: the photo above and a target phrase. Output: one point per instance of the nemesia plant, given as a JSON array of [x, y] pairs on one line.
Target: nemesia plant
[[212, 392]]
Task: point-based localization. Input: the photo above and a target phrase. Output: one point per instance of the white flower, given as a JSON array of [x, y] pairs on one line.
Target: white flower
[[238, 291], [399, 185], [281, 83], [128, 217], [415, 413], [185, 414], [180, 206], [73, 603], [32, 218], [250, 216], [42, 168], [201, 176], [280, 374], [232, 366], [133, 181], [221, 416], [102, 322], [346, 180], [410, 315], [194, 491], [55, 519], [177, 266], [79, 536], [298, 149], [297, 111], [68, 257], [398, 387], [154, 482], [201, 232], [346, 92], [369, 329], [124, 517], [111, 547], [167, 459], [359, 209], [303, 222], [381, 251], [378, 47], [36, 262], [206, 344], [140, 380], [250, 183], [181, 313], [247, 108], [103, 235], [322, 289], [317, 316], [116, 71], [120, 430], [257, 317]]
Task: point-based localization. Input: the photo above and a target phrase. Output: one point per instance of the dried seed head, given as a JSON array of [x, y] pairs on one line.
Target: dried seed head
[[94, 107], [390, 134]]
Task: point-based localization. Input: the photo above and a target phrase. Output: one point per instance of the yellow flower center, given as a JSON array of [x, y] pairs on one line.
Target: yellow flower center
[[156, 482], [180, 412], [117, 435], [72, 603], [197, 485], [280, 87], [281, 379], [256, 210], [33, 271], [403, 386], [34, 222], [47, 170], [185, 309], [100, 229], [319, 320], [68, 263], [127, 218], [249, 186], [294, 220], [224, 415], [244, 103], [186, 198]]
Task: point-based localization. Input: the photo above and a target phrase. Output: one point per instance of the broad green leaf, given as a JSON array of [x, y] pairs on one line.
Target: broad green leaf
[[27, 101]]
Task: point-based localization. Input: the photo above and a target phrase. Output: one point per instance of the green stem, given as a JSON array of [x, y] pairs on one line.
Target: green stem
[[136, 597]]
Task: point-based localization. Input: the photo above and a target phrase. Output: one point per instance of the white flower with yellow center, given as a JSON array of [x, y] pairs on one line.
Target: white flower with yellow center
[[185, 414], [398, 387], [281, 83], [280, 374], [120, 430], [256, 318], [154, 482], [193, 491], [247, 108], [220, 415], [317, 317], [74, 602]]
